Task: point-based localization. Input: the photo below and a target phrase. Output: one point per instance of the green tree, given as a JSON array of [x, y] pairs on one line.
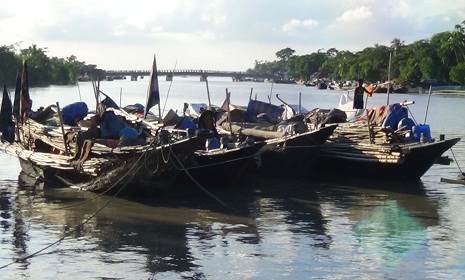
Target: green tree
[[60, 71], [457, 73], [372, 64], [396, 48], [420, 62], [10, 65], [39, 66], [338, 67], [304, 66], [285, 54]]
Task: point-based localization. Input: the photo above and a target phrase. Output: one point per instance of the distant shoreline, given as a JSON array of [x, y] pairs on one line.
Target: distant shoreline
[[450, 92]]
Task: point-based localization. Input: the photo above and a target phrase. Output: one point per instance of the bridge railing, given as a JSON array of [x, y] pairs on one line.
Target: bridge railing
[[198, 72], [175, 72]]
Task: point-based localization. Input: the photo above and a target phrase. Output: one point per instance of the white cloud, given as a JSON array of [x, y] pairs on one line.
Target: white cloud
[[216, 33], [214, 12], [294, 26], [359, 14]]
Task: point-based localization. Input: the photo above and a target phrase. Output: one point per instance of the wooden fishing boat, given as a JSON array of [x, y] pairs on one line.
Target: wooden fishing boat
[[138, 166], [73, 158], [106, 150], [290, 146], [383, 143], [221, 158], [401, 162]]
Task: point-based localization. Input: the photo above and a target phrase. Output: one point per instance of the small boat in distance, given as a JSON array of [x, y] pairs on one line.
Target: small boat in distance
[[84, 78]]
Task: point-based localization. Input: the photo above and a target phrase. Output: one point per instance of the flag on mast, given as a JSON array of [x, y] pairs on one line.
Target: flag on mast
[[25, 103], [153, 93], [17, 98], [6, 121]]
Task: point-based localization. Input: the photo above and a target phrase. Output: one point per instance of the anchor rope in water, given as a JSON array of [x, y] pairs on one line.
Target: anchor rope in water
[[91, 216], [218, 163], [455, 159], [183, 168], [36, 253]]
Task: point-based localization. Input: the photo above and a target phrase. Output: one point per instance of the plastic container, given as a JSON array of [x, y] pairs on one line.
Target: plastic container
[[422, 129]]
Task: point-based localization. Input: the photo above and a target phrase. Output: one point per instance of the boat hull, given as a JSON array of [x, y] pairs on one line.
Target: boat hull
[[294, 155], [414, 160], [52, 177], [144, 171], [221, 165]]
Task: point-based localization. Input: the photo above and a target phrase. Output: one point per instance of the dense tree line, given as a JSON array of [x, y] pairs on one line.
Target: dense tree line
[[42, 69], [441, 58]]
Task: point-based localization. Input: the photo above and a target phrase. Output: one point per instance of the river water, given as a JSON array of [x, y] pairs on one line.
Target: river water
[[264, 228]]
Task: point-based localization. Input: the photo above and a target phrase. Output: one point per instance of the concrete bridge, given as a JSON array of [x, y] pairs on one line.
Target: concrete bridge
[[203, 74]]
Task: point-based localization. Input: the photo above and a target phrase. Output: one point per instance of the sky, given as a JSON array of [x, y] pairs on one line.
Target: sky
[[215, 34]]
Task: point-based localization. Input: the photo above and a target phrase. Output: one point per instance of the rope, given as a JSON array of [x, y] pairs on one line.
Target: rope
[[167, 156], [147, 167], [66, 235], [169, 88], [144, 154], [412, 115], [298, 147], [218, 163], [455, 159], [202, 188]]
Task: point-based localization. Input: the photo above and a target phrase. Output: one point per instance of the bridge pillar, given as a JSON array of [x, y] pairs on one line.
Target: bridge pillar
[[134, 78], [203, 77], [169, 77]]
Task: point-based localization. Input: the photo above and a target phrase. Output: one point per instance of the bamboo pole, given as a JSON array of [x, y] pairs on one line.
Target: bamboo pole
[[208, 94], [427, 106], [62, 129], [229, 111]]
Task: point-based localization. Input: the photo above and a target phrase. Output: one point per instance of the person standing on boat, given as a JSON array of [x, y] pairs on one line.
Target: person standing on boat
[[358, 95]]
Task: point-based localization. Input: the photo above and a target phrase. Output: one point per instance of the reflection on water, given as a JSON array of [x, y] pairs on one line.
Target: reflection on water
[[305, 228], [389, 234]]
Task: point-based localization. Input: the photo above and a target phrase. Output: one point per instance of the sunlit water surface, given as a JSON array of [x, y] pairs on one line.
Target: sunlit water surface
[[265, 228]]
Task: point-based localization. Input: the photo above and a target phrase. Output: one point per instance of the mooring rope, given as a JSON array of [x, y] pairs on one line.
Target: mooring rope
[[202, 188], [455, 159], [86, 220], [218, 163], [411, 114], [67, 234]]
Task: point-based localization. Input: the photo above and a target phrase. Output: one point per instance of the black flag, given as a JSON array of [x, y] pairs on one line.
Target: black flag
[[17, 98], [6, 122], [153, 93], [25, 101]]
